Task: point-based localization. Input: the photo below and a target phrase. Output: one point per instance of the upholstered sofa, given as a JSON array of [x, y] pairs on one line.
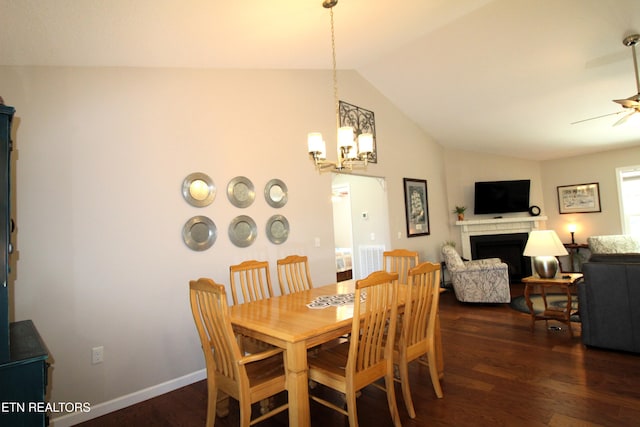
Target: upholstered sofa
[[482, 280], [614, 244], [609, 296]]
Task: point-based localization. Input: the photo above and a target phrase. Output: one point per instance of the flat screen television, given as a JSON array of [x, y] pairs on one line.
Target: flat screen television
[[493, 197]]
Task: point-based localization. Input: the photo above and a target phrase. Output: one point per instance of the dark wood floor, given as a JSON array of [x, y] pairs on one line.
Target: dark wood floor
[[497, 373]]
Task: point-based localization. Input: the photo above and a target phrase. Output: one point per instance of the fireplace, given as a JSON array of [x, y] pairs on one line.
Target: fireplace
[[507, 247], [500, 229]]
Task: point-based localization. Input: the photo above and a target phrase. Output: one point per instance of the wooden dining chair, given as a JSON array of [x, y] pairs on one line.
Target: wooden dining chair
[[293, 274], [400, 261], [248, 379], [252, 279], [416, 336], [368, 355]]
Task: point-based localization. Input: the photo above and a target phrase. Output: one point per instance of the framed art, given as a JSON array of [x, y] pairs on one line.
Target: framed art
[[579, 198], [362, 121], [416, 205]]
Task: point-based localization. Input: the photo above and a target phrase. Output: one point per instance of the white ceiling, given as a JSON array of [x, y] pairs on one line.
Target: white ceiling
[[500, 76]]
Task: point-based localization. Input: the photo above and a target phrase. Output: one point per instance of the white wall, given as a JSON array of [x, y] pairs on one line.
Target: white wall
[[600, 168], [464, 168], [101, 155]]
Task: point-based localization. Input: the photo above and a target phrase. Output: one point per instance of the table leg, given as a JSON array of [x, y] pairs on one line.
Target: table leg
[[297, 384], [543, 292], [527, 298], [568, 314]]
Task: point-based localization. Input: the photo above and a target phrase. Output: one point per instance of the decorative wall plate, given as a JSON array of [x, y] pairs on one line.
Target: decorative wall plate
[[198, 189], [275, 192], [199, 233], [240, 192], [277, 229], [242, 231]]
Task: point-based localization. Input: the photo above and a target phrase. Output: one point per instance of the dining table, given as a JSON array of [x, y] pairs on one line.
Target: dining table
[[288, 322]]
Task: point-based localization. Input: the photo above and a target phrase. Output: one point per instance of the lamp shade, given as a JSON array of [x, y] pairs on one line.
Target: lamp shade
[[544, 243], [345, 137], [315, 142], [365, 143]]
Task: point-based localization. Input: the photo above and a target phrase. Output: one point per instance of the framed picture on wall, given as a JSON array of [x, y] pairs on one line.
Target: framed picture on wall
[[579, 198], [416, 205]]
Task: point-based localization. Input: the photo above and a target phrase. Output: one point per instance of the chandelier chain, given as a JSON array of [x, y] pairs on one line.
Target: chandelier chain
[[335, 75]]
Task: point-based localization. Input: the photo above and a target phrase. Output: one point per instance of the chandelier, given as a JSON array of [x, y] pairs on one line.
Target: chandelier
[[352, 152]]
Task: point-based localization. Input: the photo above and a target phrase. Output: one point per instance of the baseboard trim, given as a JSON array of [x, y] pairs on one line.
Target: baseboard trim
[[104, 408]]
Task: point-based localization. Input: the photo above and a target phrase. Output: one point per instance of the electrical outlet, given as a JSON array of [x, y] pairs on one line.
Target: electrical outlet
[[97, 355]]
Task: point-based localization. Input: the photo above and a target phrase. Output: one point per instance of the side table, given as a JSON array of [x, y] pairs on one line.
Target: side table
[[574, 250], [566, 282]]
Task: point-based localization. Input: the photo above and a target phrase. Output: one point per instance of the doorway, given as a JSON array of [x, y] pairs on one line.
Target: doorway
[[361, 224]]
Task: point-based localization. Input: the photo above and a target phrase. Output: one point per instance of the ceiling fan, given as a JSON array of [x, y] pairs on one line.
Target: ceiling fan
[[632, 104]]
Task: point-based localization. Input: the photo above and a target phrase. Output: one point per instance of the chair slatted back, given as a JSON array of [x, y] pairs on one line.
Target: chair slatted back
[[248, 379], [211, 315], [400, 261], [294, 274], [370, 350], [417, 332], [419, 317], [252, 279]]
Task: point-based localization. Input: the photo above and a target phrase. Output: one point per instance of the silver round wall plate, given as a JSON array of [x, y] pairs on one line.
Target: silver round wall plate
[[277, 229], [242, 231], [199, 233], [198, 189], [275, 192], [240, 192]]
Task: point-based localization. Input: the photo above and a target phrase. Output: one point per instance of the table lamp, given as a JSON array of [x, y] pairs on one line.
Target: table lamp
[[544, 246], [572, 229]]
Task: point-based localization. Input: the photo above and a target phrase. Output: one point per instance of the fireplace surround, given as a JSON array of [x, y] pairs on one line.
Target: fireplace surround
[[500, 237]]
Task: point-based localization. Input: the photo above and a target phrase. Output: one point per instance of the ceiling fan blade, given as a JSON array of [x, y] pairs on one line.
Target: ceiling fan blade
[[633, 102], [625, 118], [598, 117], [629, 102]]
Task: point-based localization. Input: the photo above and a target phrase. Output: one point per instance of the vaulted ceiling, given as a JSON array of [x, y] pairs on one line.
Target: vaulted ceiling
[[499, 76]]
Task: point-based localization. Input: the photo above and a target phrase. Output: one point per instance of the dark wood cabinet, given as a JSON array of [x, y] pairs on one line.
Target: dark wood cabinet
[[6, 117], [343, 275], [23, 378], [23, 354]]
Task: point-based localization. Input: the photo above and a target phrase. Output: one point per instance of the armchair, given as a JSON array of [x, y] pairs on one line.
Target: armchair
[[482, 280]]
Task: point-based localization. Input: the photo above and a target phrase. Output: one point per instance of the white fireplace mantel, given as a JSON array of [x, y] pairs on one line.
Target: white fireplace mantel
[[479, 227]]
